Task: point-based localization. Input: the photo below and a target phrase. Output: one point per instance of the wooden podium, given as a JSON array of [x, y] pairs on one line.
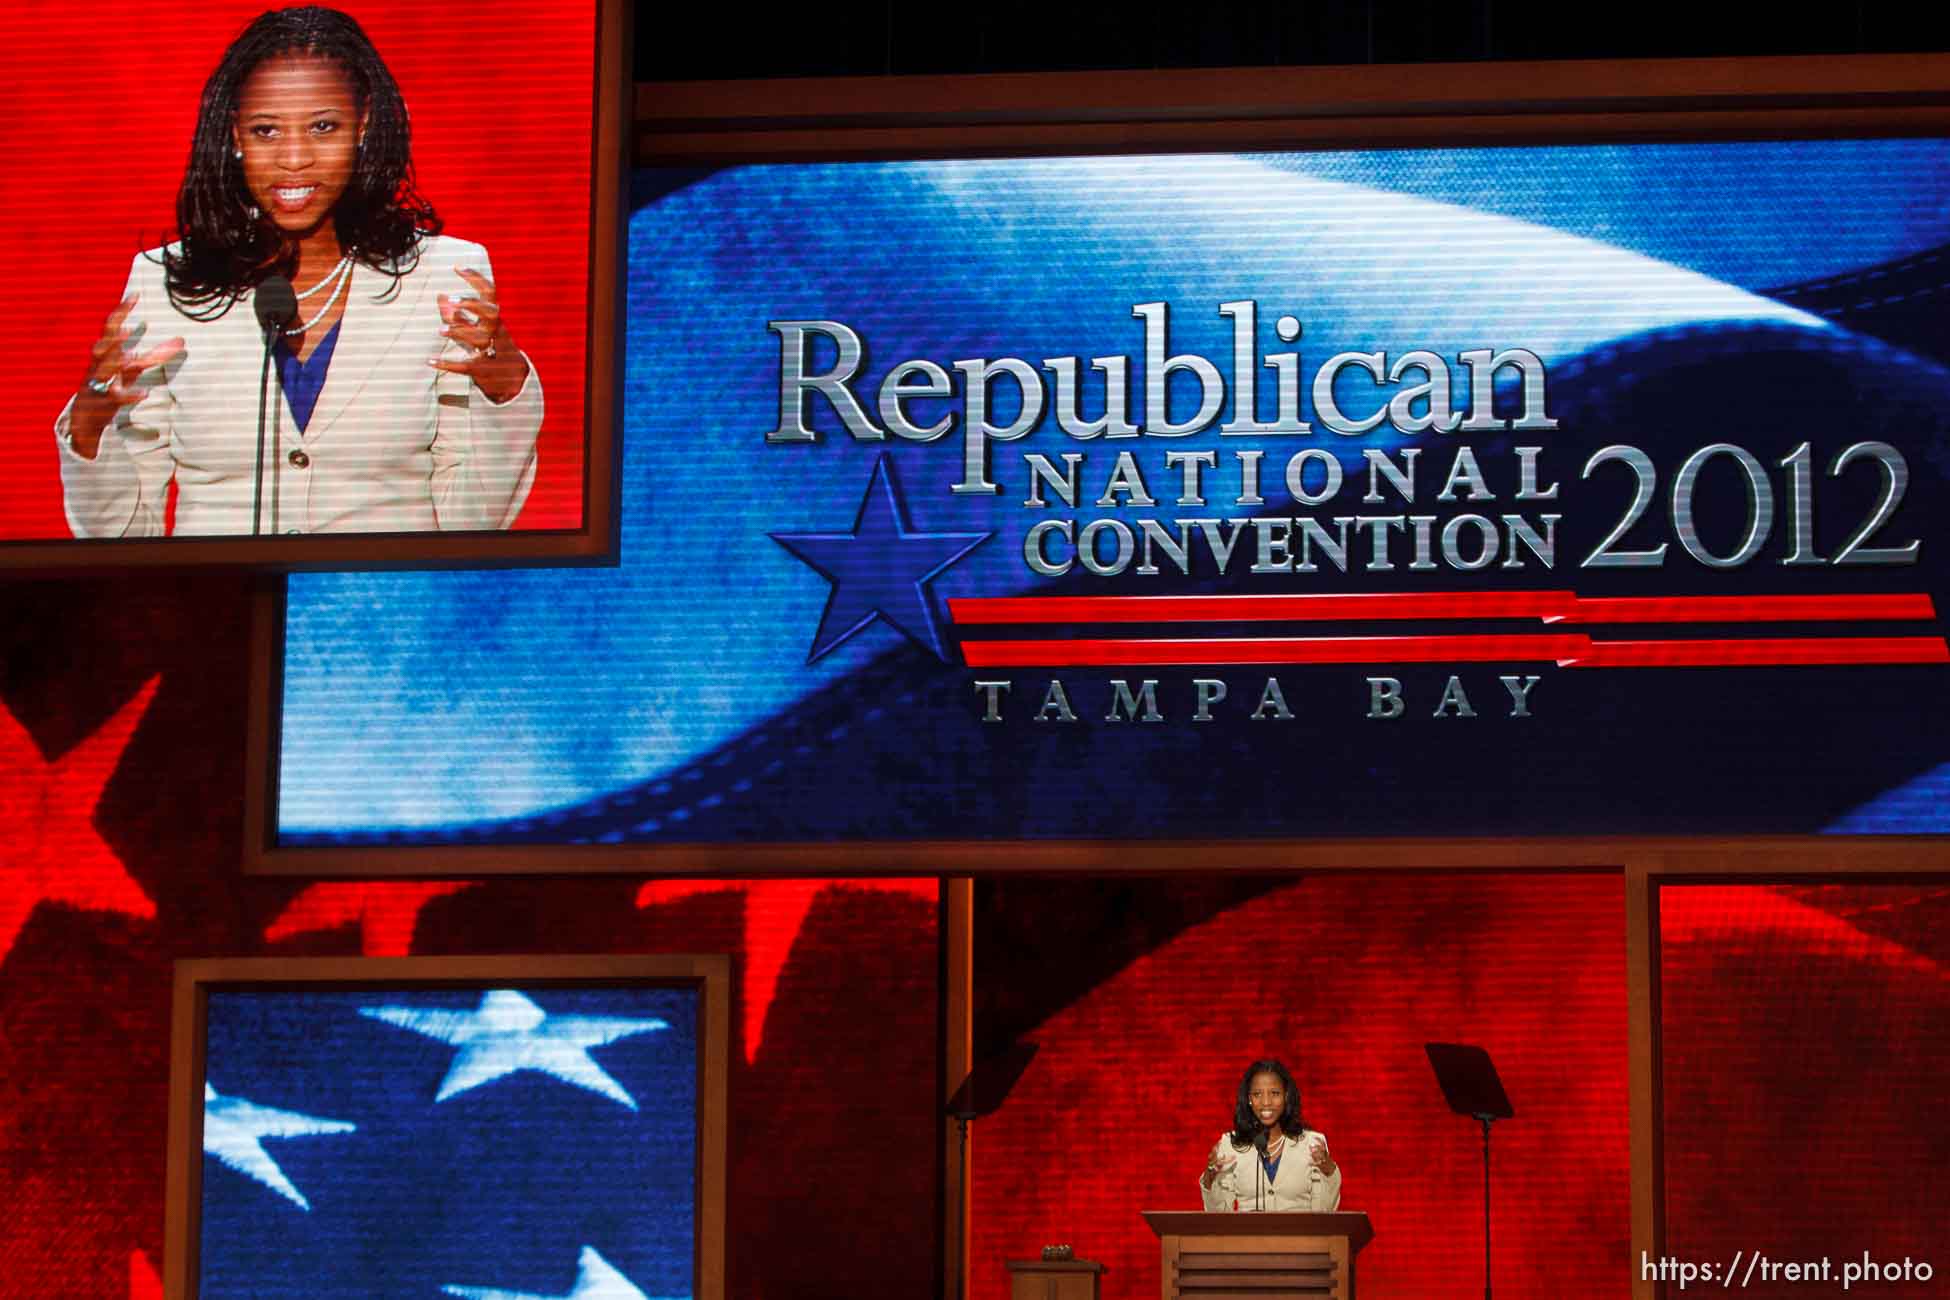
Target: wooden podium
[[1258, 1256], [1054, 1279]]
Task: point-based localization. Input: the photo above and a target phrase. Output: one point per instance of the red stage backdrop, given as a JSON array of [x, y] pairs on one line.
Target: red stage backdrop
[[1805, 1059], [101, 103], [1344, 978], [121, 771]]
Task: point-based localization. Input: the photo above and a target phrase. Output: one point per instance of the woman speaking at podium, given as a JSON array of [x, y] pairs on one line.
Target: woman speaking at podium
[[1269, 1160], [401, 402]]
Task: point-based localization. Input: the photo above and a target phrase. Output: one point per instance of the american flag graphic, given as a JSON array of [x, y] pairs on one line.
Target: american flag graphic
[[493, 1144]]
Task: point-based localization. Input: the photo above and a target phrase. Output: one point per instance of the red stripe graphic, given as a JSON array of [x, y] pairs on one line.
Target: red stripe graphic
[[1274, 650], [1550, 606], [1571, 650], [1748, 609], [1778, 652], [1260, 609]]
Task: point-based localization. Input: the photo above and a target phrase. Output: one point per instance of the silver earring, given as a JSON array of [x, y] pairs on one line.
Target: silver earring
[[255, 214], [238, 154]]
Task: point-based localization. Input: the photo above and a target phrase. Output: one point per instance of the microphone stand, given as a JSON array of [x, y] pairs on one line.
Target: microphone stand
[[1469, 1084], [257, 475], [275, 302], [981, 1093]]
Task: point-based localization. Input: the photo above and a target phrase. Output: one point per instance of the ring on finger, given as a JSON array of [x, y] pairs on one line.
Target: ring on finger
[[99, 387]]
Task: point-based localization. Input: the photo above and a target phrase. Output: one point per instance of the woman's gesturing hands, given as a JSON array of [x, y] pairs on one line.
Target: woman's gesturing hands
[[497, 367], [1216, 1164], [110, 383]]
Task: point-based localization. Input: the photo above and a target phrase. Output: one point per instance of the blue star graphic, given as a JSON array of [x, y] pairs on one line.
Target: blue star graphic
[[879, 570], [508, 1032], [234, 1129]]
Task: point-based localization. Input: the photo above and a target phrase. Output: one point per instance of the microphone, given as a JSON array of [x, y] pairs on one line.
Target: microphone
[[276, 303]]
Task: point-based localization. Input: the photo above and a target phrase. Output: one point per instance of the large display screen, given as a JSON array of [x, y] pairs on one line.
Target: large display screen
[[473, 1137], [1518, 490], [318, 272], [1162, 992]]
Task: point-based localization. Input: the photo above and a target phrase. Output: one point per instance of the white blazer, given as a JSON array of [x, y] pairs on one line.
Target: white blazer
[[393, 445], [1298, 1186]]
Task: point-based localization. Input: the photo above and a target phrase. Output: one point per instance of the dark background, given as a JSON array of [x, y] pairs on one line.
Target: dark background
[[881, 37]]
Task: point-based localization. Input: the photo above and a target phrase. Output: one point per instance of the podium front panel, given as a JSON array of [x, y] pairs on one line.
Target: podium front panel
[[1249, 1267]]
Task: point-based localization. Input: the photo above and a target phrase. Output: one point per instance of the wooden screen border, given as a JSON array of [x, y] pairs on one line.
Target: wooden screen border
[[709, 974], [595, 542], [717, 123]]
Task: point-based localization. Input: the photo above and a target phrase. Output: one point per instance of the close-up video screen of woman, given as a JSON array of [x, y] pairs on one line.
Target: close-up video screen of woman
[[311, 337]]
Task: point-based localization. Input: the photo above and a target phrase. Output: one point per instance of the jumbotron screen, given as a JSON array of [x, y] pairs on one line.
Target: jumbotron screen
[[1575, 489], [298, 271], [1162, 992], [475, 1142]]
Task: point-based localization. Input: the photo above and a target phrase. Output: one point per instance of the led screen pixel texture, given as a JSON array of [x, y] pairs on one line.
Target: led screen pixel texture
[[1804, 1034], [473, 1143], [90, 185], [124, 709], [793, 646], [1343, 979]]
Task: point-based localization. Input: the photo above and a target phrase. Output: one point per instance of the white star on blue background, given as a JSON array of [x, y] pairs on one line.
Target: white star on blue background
[[507, 1032], [233, 1129], [596, 1279], [879, 570]]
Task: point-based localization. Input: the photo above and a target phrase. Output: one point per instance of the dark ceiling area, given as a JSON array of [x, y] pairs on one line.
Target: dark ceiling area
[[861, 38]]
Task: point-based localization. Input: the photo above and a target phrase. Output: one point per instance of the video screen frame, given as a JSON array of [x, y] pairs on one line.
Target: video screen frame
[[710, 124], [708, 975], [600, 417]]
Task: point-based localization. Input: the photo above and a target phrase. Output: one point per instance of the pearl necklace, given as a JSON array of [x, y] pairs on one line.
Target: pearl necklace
[[333, 274], [339, 277]]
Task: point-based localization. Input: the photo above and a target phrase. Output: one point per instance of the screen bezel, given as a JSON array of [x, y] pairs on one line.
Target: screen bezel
[[195, 979], [707, 124], [593, 542]]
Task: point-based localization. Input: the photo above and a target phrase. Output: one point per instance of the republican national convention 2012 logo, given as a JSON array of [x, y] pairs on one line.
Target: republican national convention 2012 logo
[[1425, 497]]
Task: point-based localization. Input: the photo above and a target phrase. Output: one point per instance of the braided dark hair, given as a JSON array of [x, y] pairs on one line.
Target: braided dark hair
[[221, 249]]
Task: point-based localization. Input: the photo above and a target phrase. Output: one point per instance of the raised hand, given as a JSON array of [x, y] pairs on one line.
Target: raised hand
[[497, 367], [110, 383]]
